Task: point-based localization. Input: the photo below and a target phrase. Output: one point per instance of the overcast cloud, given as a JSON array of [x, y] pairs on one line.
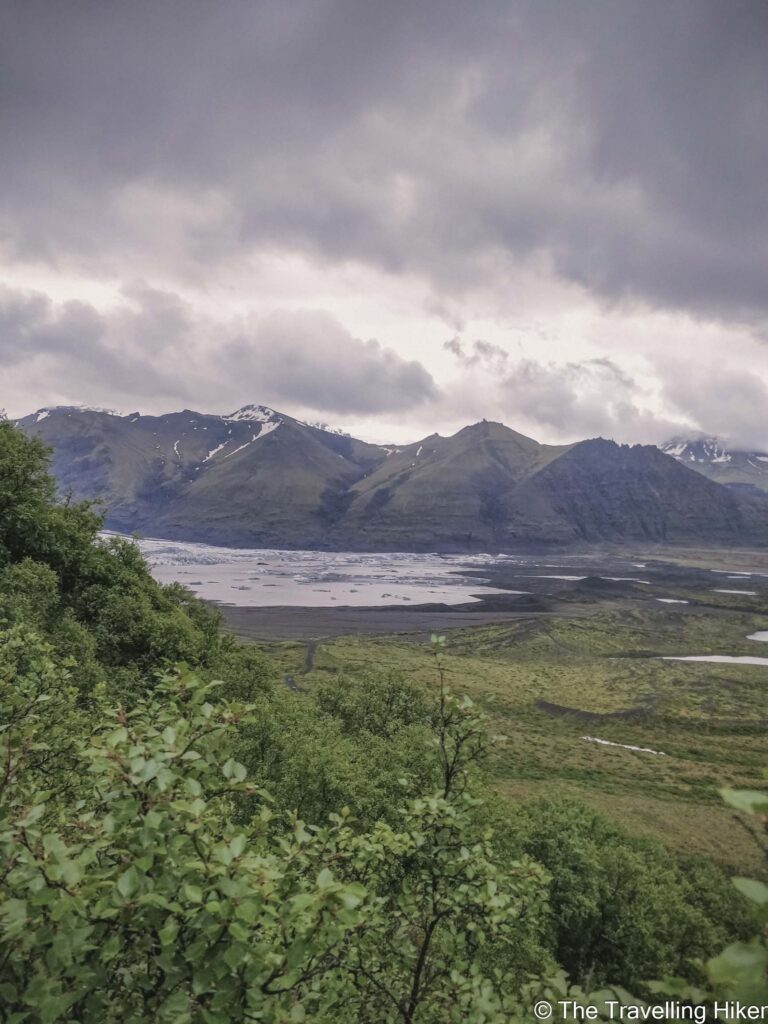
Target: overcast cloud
[[155, 347], [316, 194]]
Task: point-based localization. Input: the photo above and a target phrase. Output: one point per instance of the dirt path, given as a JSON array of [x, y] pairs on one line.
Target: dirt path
[[309, 659]]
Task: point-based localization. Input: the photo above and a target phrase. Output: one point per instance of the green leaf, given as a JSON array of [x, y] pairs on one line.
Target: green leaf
[[740, 966], [110, 949], [753, 890], [128, 883], [193, 893], [14, 914], [325, 879], [168, 932], [150, 770], [238, 845], [239, 931]]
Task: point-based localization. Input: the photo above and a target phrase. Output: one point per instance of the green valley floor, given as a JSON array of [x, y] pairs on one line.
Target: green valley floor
[[576, 688]]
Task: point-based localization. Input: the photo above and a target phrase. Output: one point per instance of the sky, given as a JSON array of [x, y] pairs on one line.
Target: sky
[[394, 217]]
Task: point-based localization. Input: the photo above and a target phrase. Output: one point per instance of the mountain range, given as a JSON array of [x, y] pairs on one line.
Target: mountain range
[[261, 478]]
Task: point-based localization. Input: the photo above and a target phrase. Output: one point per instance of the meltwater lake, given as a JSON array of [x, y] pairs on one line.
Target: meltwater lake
[[263, 578], [311, 579], [266, 592]]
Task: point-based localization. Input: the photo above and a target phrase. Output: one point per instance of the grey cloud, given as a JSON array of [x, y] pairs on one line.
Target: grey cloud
[[153, 347], [570, 401], [727, 402], [597, 396], [479, 354], [565, 400], [74, 343], [31, 327], [620, 142], [587, 398], [309, 358]]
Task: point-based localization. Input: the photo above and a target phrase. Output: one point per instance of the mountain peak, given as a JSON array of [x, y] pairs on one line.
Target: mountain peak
[[700, 449], [493, 431], [46, 411], [253, 414], [711, 456]]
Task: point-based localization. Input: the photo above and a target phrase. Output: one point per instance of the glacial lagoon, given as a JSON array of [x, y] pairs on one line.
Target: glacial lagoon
[[316, 579]]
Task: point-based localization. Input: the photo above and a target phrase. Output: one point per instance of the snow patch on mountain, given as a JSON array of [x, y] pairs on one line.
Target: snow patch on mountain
[[44, 413], [266, 428], [253, 414], [214, 451], [675, 448], [240, 448], [705, 449], [318, 425], [708, 450], [713, 458]]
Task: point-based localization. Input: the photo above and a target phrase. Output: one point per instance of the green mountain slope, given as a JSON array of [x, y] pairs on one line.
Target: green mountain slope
[[447, 490], [601, 491]]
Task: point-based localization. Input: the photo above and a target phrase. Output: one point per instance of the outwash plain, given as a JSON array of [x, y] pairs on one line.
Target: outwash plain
[[573, 677]]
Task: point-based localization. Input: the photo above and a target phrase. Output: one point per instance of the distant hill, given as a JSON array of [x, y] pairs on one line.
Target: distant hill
[[261, 478], [745, 470]]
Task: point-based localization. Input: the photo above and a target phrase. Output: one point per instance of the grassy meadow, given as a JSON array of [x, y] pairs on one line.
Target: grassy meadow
[[594, 671]]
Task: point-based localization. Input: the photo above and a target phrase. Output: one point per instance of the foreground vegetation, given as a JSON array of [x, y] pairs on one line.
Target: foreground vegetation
[[184, 839]]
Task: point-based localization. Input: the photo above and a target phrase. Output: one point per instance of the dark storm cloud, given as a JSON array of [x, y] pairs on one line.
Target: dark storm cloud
[[152, 345], [621, 142]]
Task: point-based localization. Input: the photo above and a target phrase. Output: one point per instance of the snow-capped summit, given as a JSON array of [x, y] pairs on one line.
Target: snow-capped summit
[[714, 459], [254, 414], [704, 449], [263, 414], [45, 412]]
